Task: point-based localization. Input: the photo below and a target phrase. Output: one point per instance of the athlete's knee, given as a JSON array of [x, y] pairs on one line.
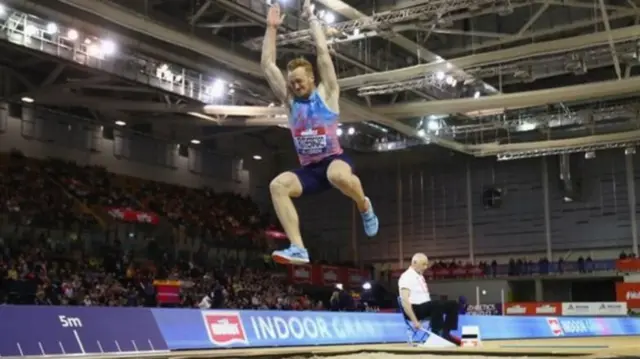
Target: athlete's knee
[[285, 184], [339, 178]]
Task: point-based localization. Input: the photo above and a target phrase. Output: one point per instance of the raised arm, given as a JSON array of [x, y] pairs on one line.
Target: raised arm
[[268, 61], [328, 77]]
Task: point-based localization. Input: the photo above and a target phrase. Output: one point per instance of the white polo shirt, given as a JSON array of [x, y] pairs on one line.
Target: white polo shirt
[[414, 281]]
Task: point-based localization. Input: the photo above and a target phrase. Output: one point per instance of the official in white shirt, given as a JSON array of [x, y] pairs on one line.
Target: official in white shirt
[[417, 304]]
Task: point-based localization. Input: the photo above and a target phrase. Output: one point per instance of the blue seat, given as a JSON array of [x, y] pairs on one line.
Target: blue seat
[[414, 335]]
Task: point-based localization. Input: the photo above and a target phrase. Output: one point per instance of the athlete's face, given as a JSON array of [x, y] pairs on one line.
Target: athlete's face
[[301, 82]]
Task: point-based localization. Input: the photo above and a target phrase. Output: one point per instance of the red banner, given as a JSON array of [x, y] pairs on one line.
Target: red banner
[[133, 216], [329, 276], [167, 292], [533, 308], [629, 293], [628, 265]]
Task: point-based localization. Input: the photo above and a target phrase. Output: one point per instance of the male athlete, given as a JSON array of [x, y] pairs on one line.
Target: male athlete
[[313, 120]]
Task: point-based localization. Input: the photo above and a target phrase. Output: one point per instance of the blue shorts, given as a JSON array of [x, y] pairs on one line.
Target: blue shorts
[[313, 177]]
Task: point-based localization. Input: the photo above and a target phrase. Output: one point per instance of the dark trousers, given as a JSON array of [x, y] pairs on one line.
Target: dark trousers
[[442, 315]]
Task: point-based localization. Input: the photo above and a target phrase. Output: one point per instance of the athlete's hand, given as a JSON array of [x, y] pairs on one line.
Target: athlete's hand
[[417, 325], [274, 17]]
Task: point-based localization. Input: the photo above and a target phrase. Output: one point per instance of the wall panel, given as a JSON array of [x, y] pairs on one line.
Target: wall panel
[[518, 223], [600, 217], [433, 218]]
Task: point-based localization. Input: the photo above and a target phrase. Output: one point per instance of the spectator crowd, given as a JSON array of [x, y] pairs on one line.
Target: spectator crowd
[[45, 204]]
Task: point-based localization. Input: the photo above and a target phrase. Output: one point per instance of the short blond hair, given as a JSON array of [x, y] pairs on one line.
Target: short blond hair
[[300, 62]]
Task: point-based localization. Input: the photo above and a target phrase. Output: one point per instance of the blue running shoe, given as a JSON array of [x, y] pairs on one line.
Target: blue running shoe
[[370, 220], [291, 255]]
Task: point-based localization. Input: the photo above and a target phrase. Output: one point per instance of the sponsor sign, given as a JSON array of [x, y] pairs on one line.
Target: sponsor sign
[[548, 309], [300, 274], [555, 327], [133, 216], [224, 328], [595, 309], [330, 275], [628, 293], [533, 308], [628, 265]]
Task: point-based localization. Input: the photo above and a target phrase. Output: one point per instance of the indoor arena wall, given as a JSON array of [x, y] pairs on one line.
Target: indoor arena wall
[[440, 209]]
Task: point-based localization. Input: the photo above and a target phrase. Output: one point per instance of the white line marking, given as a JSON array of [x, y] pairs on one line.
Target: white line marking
[[75, 334]]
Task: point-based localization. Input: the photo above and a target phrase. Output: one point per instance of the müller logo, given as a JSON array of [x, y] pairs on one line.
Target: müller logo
[[225, 328], [555, 327], [301, 272], [633, 295], [546, 309], [330, 275]]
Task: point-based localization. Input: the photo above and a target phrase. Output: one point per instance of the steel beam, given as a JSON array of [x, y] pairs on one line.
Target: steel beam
[[612, 46], [459, 32], [53, 75], [221, 25], [533, 19], [539, 33], [194, 19], [586, 92], [581, 5], [410, 46], [105, 103], [495, 57]]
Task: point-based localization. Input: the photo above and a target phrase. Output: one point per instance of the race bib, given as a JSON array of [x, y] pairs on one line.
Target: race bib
[[311, 141]]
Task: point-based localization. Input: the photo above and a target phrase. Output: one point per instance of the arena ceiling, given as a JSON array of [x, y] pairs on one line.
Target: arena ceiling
[[484, 77]]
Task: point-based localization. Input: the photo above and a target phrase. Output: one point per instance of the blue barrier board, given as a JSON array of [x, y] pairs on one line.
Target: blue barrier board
[[516, 327], [212, 329], [196, 329], [40, 330]]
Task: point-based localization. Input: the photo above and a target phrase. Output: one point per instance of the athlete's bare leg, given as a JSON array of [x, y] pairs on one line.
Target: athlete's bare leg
[[284, 187], [341, 177]]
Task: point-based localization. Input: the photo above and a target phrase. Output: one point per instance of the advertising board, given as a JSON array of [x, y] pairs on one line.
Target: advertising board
[[629, 293], [596, 309], [533, 308], [48, 330]]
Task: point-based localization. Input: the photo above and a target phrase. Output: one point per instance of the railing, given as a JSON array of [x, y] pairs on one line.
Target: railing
[[35, 33], [506, 270]]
